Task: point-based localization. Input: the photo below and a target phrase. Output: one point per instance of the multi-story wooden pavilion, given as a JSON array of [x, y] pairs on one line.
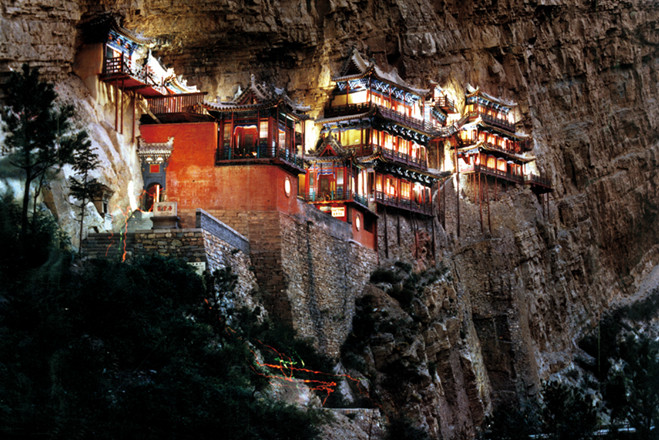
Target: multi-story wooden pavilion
[[373, 148]]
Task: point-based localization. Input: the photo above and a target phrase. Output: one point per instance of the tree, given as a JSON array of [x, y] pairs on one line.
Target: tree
[[512, 422], [568, 413], [38, 134], [84, 188], [632, 389]]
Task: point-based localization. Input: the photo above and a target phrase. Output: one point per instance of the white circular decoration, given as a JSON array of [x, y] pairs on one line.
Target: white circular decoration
[[287, 187]]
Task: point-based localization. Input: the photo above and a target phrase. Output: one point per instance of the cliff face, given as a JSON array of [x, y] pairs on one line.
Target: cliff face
[[585, 74]]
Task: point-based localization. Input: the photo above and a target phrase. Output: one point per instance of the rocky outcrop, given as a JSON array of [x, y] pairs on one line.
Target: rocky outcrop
[[585, 76]]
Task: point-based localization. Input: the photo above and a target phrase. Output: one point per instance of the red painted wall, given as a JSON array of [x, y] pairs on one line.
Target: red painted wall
[[362, 236], [194, 181]]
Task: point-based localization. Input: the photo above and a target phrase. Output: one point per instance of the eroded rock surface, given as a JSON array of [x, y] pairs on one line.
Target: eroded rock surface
[[585, 76]]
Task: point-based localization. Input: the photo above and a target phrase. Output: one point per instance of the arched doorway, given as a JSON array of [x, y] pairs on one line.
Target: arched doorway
[[152, 195]]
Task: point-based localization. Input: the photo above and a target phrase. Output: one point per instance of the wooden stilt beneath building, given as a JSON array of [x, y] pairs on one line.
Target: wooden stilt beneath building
[[480, 202], [121, 108], [457, 192], [487, 199]]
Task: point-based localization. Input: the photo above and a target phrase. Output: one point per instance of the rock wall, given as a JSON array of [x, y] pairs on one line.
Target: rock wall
[[583, 72], [325, 273]]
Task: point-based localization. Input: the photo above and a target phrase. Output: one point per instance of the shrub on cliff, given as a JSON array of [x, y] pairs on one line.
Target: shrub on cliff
[[39, 134], [121, 351]]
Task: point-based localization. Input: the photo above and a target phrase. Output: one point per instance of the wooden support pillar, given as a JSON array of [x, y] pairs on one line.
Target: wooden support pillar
[[121, 105], [443, 211], [116, 105], [276, 130], [258, 133], [457, 193], [480, 201], [487, 198], [496, 184], [132, 136], [398, 228], [386, 235], [231, 137]]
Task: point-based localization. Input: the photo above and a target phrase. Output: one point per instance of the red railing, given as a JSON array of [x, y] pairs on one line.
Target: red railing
[[116, 65], [419, 162], [445, 102], [183, 103], [414, 123], [402, 158], [496, 173], [401, 203], [534, 179], [497, 122], [354, 109], [349, 109], [334, 196]]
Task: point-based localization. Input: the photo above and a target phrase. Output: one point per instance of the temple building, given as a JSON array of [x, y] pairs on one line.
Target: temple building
[[372, 158], [123, 62], [490, 151]]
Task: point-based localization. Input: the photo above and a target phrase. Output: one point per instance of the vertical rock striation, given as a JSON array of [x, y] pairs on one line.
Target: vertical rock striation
[[585, 74]]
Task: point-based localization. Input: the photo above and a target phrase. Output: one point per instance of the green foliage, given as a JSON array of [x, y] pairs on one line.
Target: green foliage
[[111, 350], [20, 256], [512, 422], [404, 429], [84, 188], [568, 412], [38, 135], [632, 388]]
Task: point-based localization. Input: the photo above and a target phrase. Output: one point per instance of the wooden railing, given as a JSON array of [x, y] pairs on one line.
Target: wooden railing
[[414, 123], [503, 150], [348, 109], [445, 102], [419, 162], [534, 179], [397, 202], [497, 122], [354, 109], [497, 173], [183, 103], [116, 65], [261, 151], [338, 195], [402, 158]]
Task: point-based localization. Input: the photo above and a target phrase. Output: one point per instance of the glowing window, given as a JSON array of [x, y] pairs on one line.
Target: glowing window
[[287, 187], [154, 168]]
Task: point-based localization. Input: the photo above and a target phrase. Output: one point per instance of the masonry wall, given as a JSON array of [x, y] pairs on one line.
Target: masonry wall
[[190, 245], [194, 181], [406, 236], [325, 271]]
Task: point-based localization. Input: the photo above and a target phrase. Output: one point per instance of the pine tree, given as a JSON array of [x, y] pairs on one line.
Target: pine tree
[[38, 134], [84, 187]]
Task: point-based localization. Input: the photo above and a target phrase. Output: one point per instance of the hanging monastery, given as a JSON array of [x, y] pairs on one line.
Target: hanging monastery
[[372, 182]]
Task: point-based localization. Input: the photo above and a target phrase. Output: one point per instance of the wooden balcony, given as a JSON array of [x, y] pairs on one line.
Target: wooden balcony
[[356, 109], [394, 156], [336, 196], [182, 103], [445, 103], [259, 154], [344, 110], [418, 162], [405, 204], [120, 72], [505, 175], [496, 122], [414, 123], [536, 180]]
